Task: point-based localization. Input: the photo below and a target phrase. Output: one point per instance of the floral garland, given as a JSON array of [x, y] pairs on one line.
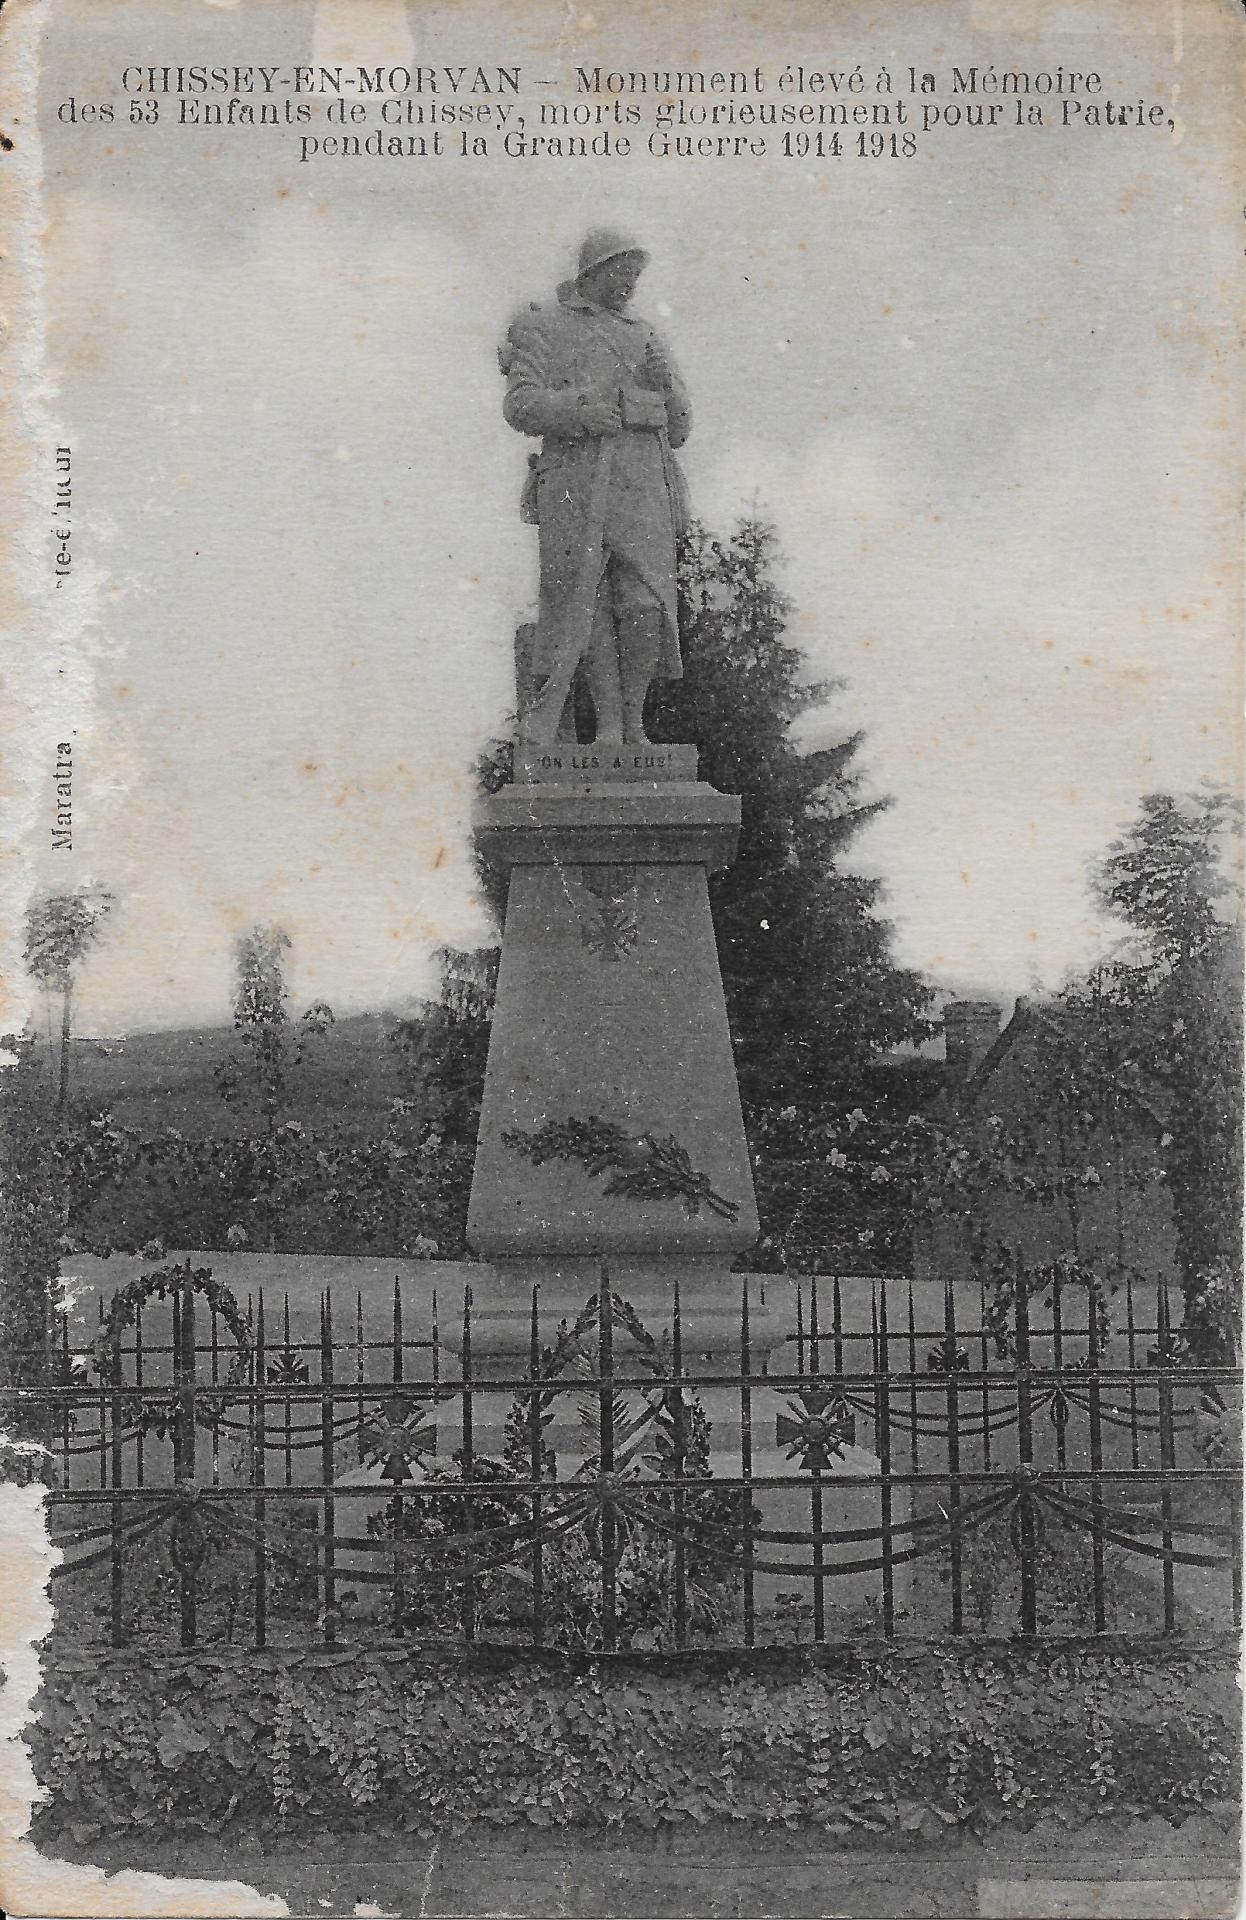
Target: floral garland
[[163, 1284]]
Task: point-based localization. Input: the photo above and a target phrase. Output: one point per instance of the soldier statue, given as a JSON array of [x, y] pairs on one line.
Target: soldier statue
[[605, 491]]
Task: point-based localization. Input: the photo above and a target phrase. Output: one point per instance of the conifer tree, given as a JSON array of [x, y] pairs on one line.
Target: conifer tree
[[812, 992]]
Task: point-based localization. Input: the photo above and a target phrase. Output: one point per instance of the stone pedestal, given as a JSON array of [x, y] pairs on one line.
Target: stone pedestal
[[610, 1011], [610, 1015]]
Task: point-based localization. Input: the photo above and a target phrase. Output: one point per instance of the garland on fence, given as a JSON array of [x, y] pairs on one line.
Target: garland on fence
[[871, 1743], [163, 1283]]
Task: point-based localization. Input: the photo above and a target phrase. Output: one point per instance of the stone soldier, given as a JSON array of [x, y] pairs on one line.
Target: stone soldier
[[605, 491]]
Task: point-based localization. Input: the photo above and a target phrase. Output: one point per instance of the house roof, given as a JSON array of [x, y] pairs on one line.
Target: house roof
[[1030, 1017]]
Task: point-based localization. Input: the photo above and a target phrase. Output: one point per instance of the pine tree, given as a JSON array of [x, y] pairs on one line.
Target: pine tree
[[812, 993]]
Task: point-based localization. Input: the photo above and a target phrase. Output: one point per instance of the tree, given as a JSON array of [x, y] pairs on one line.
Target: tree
[[445, 1046], [1179, 990], [257, 1082], [60, 930], [813, 994]]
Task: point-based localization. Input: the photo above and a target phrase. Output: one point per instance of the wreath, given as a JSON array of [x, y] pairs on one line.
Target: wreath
[[162, 1285]]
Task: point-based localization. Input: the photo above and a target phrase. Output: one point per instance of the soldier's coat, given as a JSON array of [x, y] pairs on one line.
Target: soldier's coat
[[556, 358]]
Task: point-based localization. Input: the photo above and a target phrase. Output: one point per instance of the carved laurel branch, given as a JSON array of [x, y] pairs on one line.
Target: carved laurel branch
[[642, 1167]]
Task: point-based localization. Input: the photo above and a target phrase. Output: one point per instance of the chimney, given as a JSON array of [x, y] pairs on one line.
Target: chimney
[[970, 1030]]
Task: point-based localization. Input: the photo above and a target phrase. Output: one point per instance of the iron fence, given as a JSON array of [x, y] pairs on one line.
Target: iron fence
[[220, 1479]]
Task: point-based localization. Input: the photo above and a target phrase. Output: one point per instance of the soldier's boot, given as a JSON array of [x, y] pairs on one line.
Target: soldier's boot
[[640, 647]]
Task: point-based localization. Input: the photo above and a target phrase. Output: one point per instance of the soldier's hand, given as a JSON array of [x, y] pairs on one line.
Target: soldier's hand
[[599, 417]]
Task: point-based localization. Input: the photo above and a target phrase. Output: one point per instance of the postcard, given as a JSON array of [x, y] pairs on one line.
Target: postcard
[[620, 1228]]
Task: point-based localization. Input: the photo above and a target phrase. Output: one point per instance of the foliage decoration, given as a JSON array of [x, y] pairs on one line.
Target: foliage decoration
[[854, 1742], [164, 1283], [1065, 1273], [643, 1167]]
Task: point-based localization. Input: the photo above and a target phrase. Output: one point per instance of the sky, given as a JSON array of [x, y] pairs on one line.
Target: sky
[[986, 396]]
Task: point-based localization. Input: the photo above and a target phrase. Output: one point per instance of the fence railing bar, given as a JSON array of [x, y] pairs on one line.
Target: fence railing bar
[[536, 1467], [1119, 1477], [986, 1391], [1059, 1405], [1133, 1362], [914, 1460], [1025, 1536], [1179, 1375], [955, 1566], [287, 1354], [468, 1466], [259, 1472], [359, 1373], [746, 1463], [216, 1380], [116, 1593], [327, 1468], [1096, 1463], [837, 1325], [884, 1467], [815, 1483], [140, 1464], [103, 1415], [605, 1461], [1167, 1456], [187, 1429], [66, 1403], [677, 1408]]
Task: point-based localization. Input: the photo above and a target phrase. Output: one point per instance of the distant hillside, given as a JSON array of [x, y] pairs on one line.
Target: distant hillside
[[152, 1080]]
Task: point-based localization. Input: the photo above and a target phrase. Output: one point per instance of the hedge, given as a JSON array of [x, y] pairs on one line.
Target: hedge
[[865, 1741]]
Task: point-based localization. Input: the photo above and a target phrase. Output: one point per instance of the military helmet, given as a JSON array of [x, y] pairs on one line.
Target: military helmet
[[606, 243]]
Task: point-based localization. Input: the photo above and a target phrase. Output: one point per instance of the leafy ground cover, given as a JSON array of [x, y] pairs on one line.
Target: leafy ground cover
[[850, 1744]]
